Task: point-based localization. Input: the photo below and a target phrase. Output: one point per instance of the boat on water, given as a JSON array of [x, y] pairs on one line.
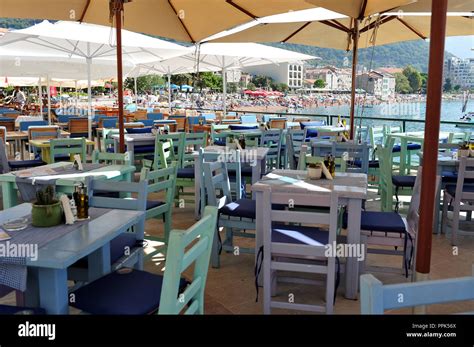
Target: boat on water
[[466, 118]]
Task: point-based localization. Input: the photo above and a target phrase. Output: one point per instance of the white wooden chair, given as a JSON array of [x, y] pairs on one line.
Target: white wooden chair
[[459, 198], [298, 249]]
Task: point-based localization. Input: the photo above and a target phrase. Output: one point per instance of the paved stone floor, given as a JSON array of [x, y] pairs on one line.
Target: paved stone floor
[[231, 288]]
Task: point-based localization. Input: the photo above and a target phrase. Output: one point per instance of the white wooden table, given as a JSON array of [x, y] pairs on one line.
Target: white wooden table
[[132, 140], [257, 154], [351, 189]]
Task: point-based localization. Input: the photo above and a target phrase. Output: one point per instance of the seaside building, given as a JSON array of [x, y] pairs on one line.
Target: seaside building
[[377, 83], [335, 78], [460, 72], [292, 74]]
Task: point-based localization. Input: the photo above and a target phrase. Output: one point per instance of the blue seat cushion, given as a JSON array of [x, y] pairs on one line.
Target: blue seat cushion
[[110, 150], [138, 130], [144, 149], [410, 147], [380, 221], [299, 235], [372, 163], [243, 127], [104, 194], [312, 124], [78, 135], [153, 203], [451, 189], [121, 243], [62, 157], [244, 208], [404, 181], [452, 177], [187, 172], [122, 293], [311, 133], [245, 171], [11, 310], [220, 142], [23, 164]]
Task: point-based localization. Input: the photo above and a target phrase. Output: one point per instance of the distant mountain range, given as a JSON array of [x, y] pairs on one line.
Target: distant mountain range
[[401, 54]]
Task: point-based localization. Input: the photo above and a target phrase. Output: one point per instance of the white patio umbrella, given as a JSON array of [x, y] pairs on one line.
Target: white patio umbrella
[[92, 43], [223, 57]]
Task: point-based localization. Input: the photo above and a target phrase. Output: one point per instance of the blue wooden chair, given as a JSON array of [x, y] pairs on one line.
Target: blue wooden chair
[[272, 139], [155, 116], [357, 156], [376, 297], [290, 248], [59, 148], [134, 292], [14, 165], [249, 118], [193, 142], [235, 216], [43, 133], [163, 182], [126, 250], [294, 140], [26, 124]]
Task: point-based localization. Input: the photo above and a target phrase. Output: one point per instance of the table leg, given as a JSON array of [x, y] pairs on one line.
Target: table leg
[[197, 188], [403, 156], [46, 155], [353, 238], [53, 290], [131, 150], [99, 263], [259, 229], [9, 193]]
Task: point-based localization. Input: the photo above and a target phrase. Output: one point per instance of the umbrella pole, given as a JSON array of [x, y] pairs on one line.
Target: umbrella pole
[[169, 93], [77, 96], [118, 18], [136, 90], [224, 92], [430, 147], [355, 55], [89, 97], [40, 97], [49, 100]]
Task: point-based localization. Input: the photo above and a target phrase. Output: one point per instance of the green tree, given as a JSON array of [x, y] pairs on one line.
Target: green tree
[[319, 83], [424, 82], [232, 87], [448, 86], [181, 79], [457, 88], [210, 80], [402, 85], [414, 78], [262, 81], [144, 83], [251, 86]]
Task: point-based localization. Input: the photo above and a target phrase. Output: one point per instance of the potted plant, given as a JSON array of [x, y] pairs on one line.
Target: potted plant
[[46, 211], [315, 171]]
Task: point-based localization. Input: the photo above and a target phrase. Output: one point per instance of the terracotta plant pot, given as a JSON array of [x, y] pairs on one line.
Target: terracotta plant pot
[[44, 216]]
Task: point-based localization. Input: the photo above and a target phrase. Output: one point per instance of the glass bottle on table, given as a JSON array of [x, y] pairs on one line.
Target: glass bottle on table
[[82, 202]]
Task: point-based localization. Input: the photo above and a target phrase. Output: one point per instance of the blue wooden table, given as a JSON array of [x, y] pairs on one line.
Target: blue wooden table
[[47, 275], [65, 183]]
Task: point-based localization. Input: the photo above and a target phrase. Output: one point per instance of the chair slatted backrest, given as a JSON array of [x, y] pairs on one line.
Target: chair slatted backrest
[[43, 132], [459, 137], [69, 147], [272, 139], [376, 136], [8, 123], [277, 123], [376, 297], [362, 134], [107, 122], [180, 121], [384, 153], [111, 158], [274, 198], [78, 126], [354, 153], [97, 184], [178, 143], [164, 155], [24, 126], [306, 159], [466, 172], [217, 183], [186, 248], [391, 129], [232, 161], [193, 142], [249, 118], [155, 116], [295, 139]]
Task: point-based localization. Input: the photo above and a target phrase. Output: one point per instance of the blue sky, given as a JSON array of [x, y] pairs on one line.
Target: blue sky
[[461, 46]]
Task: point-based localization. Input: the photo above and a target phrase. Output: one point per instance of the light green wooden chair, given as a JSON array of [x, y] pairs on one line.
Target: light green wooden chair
[[67, 147], [306, 159], [459, 137], [111, 158], [134, 292], [162, 182], [177, 141], [185, 177]]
